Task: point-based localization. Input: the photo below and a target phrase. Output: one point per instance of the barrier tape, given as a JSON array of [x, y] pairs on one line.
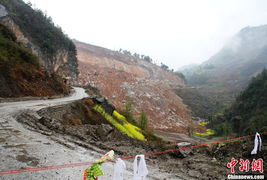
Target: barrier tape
[[43, 168]]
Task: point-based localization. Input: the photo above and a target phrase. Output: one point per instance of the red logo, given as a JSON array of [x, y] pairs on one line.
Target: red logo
[[257, 165], [232, 165], [244, 165]]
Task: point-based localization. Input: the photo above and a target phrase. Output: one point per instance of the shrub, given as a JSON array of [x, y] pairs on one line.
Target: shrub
[[143, 121], [151, 137], [127, 112]]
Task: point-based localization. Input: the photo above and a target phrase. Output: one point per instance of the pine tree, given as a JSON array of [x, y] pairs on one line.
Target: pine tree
[[127, 112], [143, 121]]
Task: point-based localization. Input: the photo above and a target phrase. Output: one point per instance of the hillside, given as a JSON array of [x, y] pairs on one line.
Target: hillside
[[226, 73], [35, 54], [122, 78], [36, 31], [20, 72], [202, 106], [248, 113]]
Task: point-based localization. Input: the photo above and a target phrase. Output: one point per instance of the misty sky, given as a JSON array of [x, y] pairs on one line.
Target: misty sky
[[175, 32]]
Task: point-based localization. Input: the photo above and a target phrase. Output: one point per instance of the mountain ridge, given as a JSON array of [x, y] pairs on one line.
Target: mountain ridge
[[227, 72]]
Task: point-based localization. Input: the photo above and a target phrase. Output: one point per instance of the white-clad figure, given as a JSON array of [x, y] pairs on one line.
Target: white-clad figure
[[140, 169], [257, 144], [119, 169]]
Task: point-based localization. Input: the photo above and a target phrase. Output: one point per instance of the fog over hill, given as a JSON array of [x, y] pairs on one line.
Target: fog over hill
[[228, 71]]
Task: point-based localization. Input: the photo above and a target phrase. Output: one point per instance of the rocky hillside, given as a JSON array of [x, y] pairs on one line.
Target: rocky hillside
[[36, 31], [20, 72], [121, 78]]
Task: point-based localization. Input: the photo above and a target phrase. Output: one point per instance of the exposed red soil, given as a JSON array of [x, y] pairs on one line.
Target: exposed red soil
[[19, 80], [120, 78]]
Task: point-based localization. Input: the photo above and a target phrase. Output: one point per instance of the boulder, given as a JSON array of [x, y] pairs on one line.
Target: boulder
[[185, 152]]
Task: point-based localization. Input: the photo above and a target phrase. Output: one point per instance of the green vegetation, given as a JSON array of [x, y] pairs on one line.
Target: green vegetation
[[136, 55], [200, 77], [120, 122], [140, 131], [209, 132], [203, 123], [20, 73], [143, 121], [39, 27], [119, 117], [224, 129], [11, 51], [201, 106], [226, 73], [127, 112], [248, 113], [164, 67], [6, 33], [151, 137]]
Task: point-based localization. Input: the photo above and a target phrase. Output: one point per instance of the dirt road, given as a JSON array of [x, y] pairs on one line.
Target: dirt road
[[23, 148]]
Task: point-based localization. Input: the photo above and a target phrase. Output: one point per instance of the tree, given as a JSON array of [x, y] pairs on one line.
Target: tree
[[127, 112], [227, 129], [147, 58], [164, 67], [128, 53], [136, 55], [143, 121]]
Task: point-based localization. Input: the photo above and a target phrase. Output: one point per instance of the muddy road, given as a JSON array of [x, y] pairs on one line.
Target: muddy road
[[21, 147]]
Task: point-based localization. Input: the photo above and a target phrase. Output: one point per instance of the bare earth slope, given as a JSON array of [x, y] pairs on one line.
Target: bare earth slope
[[121, 78]]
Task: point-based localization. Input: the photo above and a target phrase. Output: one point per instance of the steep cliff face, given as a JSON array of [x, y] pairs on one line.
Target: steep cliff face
[[37, 32], [121, 78]]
